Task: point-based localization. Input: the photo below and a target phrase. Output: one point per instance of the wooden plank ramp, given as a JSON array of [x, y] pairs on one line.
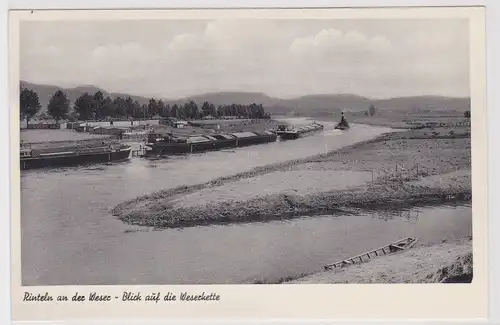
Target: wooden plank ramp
[[400, 245]]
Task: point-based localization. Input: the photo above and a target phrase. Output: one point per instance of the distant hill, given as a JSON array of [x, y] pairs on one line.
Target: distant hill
[[425, 103], [45, 92], [228, 98], [310, 105]]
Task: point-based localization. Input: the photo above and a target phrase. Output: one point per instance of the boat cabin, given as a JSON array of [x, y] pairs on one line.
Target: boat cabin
[[284, 127], [25, 152], [169, 137]]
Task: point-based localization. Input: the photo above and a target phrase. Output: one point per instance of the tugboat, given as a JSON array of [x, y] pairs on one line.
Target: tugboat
[[342, 125], [287, 132], [31, 158], [158, 144]]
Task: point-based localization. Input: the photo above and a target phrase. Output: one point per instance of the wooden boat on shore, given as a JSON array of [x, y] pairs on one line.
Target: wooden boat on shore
[[31, 158], [286, 132], [169, 144], [400, 245]]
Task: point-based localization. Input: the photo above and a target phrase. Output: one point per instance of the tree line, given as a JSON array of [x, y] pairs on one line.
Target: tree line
[[98, 107]]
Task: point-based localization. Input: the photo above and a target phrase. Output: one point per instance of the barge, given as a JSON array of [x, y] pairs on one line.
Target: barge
[[158, 145], [287, 132], [31, 158]]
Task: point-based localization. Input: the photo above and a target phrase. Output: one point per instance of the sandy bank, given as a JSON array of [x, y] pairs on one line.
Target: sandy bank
[[402, 119], [446, 262], [311, 185], [40, 136], [294, 182], [161, 212]]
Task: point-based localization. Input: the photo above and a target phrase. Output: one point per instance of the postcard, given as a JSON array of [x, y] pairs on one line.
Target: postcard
[[261, 164]]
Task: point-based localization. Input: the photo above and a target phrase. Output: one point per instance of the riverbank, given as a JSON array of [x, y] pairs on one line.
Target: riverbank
[[51, 139], [402, 120], [448, 262], [414, 166]]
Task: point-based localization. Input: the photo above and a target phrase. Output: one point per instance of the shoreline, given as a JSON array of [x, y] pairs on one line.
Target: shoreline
[[88, 139], [447, 262], [437, 181]]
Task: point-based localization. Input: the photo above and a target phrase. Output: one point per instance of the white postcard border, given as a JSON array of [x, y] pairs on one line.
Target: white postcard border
[[479, 178]]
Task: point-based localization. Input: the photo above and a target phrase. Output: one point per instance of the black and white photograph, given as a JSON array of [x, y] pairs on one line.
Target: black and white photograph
[[245, 151]]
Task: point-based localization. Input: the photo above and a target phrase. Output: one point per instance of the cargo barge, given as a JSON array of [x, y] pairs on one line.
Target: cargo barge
[[287, 132], [31, 158], [158, 145]]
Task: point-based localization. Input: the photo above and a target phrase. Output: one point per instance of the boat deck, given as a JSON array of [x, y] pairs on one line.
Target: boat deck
[[36, 159]]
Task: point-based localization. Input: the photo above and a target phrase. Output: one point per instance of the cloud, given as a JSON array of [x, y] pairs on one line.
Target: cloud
[[332, 40], [186, 42], [279, 57]]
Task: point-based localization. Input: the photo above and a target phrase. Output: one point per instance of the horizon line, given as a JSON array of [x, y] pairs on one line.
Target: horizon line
[[187, 97]]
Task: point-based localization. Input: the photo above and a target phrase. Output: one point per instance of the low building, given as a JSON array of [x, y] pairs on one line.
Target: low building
[[107, 130], [44, 125], [173, 122]]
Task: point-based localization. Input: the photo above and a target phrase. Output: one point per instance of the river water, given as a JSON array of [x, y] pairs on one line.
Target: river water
[[69, 237]]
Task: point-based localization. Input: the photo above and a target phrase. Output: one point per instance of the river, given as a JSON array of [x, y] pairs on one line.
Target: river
[[69, 237]]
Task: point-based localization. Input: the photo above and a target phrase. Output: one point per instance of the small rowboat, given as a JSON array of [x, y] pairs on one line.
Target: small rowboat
[[398, 246]]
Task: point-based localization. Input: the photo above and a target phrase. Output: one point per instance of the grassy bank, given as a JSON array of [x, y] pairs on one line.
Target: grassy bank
[[398, 119], [443, 173], [448, 262], [44, 138]]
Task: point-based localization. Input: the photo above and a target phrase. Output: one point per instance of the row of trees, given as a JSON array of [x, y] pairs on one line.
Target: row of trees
[[98, 107]]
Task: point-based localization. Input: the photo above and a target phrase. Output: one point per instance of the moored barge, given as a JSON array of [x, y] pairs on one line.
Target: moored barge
[[287, 132], [31, 158], [169, 144]]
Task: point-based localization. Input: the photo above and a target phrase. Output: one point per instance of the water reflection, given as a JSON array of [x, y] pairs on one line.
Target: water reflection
[[412, 212], [410, 215]]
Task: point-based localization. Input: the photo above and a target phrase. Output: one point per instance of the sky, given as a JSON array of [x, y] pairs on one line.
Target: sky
[[282, 58]]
